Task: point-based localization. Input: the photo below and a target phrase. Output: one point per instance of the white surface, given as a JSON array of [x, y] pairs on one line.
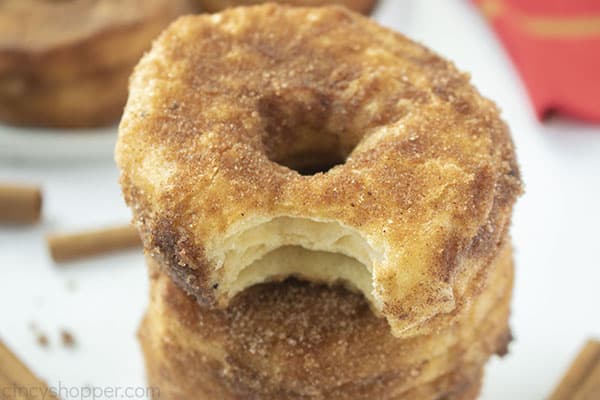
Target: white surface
[[555, 234], [41, 144]]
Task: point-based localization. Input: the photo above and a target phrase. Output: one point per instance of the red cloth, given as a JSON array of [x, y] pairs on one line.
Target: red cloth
[[555, 45]]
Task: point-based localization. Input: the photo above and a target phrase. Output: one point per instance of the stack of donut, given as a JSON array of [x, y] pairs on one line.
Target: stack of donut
[[324, 206], [65, 63]]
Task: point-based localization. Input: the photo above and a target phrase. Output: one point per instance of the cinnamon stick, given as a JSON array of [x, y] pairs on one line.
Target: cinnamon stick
[[582, 380], [17, 382], [70, 246], [590, 388], [20, 204]]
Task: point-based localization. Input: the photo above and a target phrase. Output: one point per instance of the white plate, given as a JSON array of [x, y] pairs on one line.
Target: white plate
[[42, 144]]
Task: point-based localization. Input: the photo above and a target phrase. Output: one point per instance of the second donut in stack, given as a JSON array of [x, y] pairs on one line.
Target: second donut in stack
[[270, 142], [296, 340]]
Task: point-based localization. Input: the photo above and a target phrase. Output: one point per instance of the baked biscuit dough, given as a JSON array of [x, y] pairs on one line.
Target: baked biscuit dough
[[297, 340], [233, 121]]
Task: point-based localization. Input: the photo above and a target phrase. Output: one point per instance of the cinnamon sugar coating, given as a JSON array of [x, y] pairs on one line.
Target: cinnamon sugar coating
[[228, 111], [298, 340]]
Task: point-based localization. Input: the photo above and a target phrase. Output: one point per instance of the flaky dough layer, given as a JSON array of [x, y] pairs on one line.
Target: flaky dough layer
[[295, 340], [231, 114], [66, 63]]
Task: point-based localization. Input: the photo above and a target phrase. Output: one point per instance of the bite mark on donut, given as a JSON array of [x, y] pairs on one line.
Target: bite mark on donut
[[263, 249]]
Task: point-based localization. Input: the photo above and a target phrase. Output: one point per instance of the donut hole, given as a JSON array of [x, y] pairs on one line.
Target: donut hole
[[296, 133], [311, 163]]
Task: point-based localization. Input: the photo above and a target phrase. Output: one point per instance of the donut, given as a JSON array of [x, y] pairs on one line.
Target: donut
[[301, 340], [67, 63], [315, 136], [259, 103], [362, 6]]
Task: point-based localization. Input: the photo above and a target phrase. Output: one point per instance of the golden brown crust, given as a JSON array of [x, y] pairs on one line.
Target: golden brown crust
[[362, 6], [223, 102], [296, 340], [66, 63], [87, 102]]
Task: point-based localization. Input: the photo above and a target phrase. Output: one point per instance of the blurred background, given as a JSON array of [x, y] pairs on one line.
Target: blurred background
[[555, 230]]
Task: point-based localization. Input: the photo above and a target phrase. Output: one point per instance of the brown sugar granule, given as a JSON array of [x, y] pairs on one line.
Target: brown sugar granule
[[67, 338], [42, 340], [40, 337]]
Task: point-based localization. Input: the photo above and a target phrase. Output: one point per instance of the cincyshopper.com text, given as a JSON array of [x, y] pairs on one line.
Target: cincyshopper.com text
[[89, 392]]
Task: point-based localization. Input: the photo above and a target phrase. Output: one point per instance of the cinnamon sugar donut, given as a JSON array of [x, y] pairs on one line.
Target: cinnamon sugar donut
[[316, 137], [362, 6], [296, 340], [67, 63]]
